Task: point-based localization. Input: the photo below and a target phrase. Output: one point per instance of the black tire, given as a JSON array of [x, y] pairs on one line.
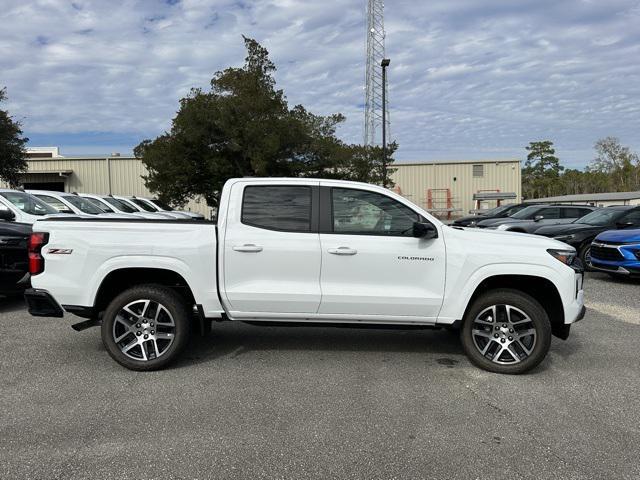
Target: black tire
[[585, 251], [538, 318], [174, 304]]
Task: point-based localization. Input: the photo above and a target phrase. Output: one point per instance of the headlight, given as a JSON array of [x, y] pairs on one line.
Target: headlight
[[565, 256], [564, 238]]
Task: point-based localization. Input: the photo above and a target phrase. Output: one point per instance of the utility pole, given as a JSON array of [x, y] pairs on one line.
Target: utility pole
[[384, 64]]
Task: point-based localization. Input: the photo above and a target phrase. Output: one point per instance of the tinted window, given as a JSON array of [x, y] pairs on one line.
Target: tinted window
[[632, 217], [516, 209], [527, 213], [285, 208], [601, 217], [549, 213], [367, 213], [574, 212]]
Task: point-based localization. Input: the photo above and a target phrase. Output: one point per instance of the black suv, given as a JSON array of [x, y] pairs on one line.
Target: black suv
[[14, 258], [530, 219], [502, 211], [580, 234]]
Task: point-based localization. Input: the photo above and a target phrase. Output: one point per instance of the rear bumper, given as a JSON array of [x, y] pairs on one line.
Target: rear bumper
[[40, 303]]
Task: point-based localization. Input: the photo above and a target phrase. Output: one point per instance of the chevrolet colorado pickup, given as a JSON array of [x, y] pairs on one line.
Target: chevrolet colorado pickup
[[304, 250]]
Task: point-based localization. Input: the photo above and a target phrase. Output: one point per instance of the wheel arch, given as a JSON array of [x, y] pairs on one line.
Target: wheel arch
[[121, 279], [541, 289]]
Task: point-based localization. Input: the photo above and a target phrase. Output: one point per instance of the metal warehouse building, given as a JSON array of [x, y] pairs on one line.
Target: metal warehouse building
[[459, 186], [450, 188], [112, 175], [595, 199]]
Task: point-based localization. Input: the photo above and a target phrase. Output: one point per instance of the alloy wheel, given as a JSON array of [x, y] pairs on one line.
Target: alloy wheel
[[504, 334], [144, 330]]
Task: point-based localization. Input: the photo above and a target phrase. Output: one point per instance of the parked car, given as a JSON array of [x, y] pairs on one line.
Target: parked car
[[617, 252], [580, 234], [71, 203], [529, 219], [147, 207], [118, 206], [306, 251], [157, 215], [14, 259], [25, 207], [502, 211], [163, 207]]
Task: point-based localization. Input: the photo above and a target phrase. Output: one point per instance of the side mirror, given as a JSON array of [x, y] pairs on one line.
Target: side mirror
[[6, 214], [537, 218], [624, 224], [424, 230]]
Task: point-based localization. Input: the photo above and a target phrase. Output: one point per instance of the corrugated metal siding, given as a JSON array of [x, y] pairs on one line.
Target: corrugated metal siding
[[415, 179], [91, 175]]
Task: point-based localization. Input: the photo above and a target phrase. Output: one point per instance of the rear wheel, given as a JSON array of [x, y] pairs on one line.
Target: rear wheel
[[146, 327], [506, 331]]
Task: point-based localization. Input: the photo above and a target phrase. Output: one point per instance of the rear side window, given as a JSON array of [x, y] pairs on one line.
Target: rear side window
[[549, 213], [284, 208], [632, 217], [574, 212]]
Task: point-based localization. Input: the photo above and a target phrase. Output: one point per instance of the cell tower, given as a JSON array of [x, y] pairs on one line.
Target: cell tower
[[374, 79]]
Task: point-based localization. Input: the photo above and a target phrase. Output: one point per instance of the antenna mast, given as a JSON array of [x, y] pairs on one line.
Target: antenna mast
[[374, 79]]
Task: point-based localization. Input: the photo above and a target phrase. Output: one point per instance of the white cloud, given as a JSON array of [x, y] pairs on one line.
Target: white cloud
[[467, 79]]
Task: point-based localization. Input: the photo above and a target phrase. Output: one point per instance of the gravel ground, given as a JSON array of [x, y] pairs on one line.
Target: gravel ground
[[251, 402]]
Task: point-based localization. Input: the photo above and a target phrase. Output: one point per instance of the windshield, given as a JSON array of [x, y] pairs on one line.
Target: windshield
[[120, 205], [495, 210], [83, 204], [29, 204], [144, 205], [526, 213], [162, 205], [602, 217]]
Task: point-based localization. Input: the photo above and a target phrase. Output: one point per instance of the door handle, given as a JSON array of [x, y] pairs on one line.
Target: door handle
[[247, 247], [343, 251]]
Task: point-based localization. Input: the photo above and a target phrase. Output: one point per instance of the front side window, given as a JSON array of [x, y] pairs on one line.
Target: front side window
[[284, 208], [55, 203], [359, 212], [550, 213]]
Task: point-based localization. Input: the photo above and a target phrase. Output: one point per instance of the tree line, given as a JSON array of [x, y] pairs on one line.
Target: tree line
[[615, 168]]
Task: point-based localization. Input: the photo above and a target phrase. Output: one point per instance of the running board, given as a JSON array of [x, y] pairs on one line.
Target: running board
[[78, 327]]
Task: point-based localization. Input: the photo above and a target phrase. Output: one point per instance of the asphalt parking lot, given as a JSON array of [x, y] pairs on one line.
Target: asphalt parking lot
[[251, 402]]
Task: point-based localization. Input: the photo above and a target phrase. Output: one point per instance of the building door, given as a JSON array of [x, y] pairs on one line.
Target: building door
[[53, 186]]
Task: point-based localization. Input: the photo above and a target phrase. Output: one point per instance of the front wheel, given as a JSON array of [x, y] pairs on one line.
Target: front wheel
[[506, 331], [585, 256], [146, 327]]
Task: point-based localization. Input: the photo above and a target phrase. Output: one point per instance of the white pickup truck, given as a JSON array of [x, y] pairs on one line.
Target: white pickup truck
[[304, 250]]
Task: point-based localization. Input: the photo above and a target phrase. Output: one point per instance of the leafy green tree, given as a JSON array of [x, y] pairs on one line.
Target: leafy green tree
[[618, 162], [243, 126], [13, 161], [541, 170]]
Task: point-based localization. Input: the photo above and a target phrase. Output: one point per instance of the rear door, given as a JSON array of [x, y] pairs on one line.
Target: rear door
[[271, 249], [371, 263]]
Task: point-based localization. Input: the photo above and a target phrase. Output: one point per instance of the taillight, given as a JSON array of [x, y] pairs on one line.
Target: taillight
[[36, 242]]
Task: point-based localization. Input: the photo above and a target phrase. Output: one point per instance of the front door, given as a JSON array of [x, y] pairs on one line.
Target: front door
[[272, 250], [372, 264]]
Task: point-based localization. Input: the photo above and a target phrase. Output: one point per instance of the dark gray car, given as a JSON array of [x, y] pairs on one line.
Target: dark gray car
[[532, 218]]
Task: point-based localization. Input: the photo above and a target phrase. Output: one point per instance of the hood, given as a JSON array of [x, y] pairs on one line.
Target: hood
[[620, 236], [566, 229], [502, 237]]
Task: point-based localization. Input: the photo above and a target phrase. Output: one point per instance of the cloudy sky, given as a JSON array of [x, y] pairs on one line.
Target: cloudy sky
[[468, 78]]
